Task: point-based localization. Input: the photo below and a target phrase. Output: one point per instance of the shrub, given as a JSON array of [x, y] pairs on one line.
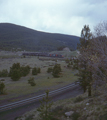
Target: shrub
[[25, 70], [78, 99], [2, 79], [50, 69], [4, 73], [75, 116], [34, 71], [38, 70], [30, 117], [56, 70], [67, 60], [2, 86], [15, 66], [45, 107], [31, 81], [15, 74]]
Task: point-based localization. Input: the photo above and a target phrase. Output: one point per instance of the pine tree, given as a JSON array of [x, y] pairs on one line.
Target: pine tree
[[2, 86], [84, 70], [44, 109]]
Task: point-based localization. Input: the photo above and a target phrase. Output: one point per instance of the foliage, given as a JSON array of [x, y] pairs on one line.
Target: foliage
[[67, 60], [30, 117], [2, 86], [50, 69], [25, 70], [34, 71], [78, 99], [31, 81], [14, 66], [4, 73], [15, 74], [85, 74], [39, 70], [75, 116], [45, 108], [17, 71], [56, 70], [32, 40], [86, 35]]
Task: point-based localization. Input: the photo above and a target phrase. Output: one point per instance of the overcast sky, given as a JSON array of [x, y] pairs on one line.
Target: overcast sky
[[55, 16]]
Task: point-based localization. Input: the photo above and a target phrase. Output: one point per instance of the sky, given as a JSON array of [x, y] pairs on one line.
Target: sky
[[54, 16]]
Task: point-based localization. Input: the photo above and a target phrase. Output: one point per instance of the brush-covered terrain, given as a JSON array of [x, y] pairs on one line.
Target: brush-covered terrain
[[20, 89], [15, 37], [82, 107]]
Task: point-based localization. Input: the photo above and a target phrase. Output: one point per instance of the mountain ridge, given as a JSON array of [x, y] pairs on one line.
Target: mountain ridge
[[16, 36]]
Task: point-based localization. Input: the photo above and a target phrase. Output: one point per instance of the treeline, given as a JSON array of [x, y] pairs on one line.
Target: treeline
[[17, 71]]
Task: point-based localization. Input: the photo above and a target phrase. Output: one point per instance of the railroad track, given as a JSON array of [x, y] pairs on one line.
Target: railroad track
[[32, 99]]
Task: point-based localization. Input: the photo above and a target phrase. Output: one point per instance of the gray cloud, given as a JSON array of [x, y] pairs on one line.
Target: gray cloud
[[58, 16]]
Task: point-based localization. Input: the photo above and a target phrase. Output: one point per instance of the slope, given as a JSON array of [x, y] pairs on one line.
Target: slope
[[15, 36]]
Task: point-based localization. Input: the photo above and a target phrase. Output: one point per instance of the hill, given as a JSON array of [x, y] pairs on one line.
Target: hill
[[14, 36]]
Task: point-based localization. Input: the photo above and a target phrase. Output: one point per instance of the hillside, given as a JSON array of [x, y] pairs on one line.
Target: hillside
[[81, 107], [15, 36]]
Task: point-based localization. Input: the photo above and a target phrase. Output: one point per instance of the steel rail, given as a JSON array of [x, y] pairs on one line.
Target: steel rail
[[32, 99]]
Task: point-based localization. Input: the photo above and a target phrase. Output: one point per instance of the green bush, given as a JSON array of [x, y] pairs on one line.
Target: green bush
[[2, 79], [15, 66], [31, 81], [38, 70], [34, 71], [4, 73], [17, 71], [25, 70], [78, 99], [75, 116], [45, 108], [50, 69], [2, 86], [15, 74], [67, 60], [56, 70]]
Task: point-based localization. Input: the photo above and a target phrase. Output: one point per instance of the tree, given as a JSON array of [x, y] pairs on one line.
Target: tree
[[86, 35], [98, 54], [49, 70], [94, 54], [85, 77], [56, 70], [2, 86], [24, 70], [44, 109], [15, 74], [34, 71], [4, 73], [38, 70], [31, 81]]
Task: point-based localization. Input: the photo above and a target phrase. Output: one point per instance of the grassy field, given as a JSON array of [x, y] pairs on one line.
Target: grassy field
[[43, 80]]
